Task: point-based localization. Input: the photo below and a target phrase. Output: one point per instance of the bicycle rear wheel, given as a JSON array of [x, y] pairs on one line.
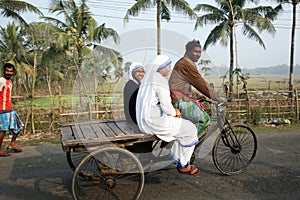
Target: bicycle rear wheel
[[234, 150], [108, 173]]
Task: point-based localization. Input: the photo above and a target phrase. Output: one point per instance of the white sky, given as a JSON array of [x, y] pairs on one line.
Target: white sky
[[251, 54]]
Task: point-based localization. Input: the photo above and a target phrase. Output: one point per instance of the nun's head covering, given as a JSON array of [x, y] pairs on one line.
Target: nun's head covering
[[162, 62], [133, 68]]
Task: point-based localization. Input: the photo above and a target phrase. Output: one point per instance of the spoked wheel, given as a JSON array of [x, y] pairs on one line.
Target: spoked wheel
[[74, 157], [108, 173], [234, 150]]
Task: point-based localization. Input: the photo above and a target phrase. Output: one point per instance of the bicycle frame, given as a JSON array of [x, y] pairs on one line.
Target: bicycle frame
[[223, 125]]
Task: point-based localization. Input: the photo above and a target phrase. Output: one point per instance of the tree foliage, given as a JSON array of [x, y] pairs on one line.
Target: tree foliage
[[14, 8], [162, 12], [230, 13]]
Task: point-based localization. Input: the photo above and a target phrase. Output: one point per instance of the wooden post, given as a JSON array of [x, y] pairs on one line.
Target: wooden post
[[52, 113], [59, 104], [248, 109], [269, 106], [277, 104], [296, 106]]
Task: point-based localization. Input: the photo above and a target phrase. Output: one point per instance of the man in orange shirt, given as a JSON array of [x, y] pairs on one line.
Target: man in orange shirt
[[9, 119]]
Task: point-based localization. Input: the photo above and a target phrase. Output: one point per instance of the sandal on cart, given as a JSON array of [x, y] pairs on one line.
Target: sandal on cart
[[191, 170], [14, 149], [4, 154]]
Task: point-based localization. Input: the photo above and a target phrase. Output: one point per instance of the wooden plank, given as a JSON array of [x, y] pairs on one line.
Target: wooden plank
[[77, 132], [115, 128], [87, 131], [82, 122], [125, 127], [107, 130], [98, 131], [135, 138], [66, 133]]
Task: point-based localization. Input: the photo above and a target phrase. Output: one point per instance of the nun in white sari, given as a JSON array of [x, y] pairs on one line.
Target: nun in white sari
[[156, 115]]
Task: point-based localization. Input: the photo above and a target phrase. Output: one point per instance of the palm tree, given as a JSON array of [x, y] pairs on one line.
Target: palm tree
[[291, 75], [229, 14], [79, 30], [12, 49], [162, 12], [13, 8], [10, 41], [39, 37]]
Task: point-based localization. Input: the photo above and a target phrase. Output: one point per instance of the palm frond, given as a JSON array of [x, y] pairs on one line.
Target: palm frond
[[207, 8], [139, 5], [19, 6], [218, 33], [103, 33], [58, 74], [212, 18], [14, 8], [165, 12], [55, 21], [252, 34], [26, 68], [183, 7]]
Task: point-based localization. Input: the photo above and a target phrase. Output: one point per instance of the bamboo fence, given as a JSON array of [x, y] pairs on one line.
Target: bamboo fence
[[258, 108]]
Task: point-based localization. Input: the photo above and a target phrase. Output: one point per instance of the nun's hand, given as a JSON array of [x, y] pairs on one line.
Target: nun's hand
[[178, 113]]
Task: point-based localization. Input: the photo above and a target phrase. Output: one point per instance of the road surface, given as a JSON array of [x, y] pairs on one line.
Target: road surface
[[41, 172]]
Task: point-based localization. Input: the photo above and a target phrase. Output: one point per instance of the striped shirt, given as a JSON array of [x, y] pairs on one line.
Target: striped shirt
[[5, 94]]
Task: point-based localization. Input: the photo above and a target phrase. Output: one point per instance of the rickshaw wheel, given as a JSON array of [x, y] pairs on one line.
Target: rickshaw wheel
[[108, 173]]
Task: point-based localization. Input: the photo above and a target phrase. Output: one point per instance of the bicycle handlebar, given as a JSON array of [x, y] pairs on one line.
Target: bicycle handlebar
[[219, 104]]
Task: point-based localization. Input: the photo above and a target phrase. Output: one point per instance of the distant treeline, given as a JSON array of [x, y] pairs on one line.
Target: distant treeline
[[273, 70]]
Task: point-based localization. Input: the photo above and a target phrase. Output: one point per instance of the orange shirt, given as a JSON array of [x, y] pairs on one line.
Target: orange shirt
[[5, 94]]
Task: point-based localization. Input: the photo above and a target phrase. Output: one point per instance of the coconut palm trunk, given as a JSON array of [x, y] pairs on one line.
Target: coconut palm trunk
[[162, 12], [231, 62], [158, 27], [291, 76], [235, 46]]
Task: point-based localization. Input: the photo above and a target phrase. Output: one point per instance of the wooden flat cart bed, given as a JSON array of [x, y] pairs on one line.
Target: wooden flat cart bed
[[99, 153], [77, 136]]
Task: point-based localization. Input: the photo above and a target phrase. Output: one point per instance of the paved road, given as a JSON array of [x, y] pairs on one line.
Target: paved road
[[41, 172]]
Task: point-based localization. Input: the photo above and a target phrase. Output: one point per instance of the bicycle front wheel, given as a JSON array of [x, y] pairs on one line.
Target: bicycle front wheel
[[234, 150]]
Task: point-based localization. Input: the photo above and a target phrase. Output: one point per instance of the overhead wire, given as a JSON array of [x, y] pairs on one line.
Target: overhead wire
[[120, 6]]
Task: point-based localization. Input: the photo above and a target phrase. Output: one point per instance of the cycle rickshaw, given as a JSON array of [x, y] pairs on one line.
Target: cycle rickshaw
[[105, 155]]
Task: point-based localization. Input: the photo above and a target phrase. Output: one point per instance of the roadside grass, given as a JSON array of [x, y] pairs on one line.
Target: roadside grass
[[276, 129], [54, 102], [45, 102], [24, 140]]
